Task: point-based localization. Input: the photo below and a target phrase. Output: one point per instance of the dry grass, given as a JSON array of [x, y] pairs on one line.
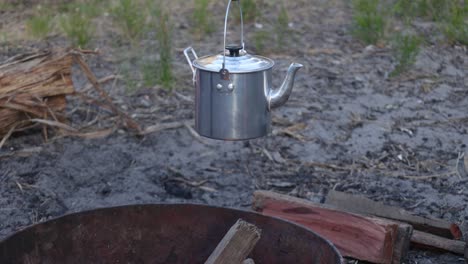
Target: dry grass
[[33, 89], [24, 95]]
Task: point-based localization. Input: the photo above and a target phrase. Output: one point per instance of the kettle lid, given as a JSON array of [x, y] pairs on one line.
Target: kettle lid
[[237, 60]]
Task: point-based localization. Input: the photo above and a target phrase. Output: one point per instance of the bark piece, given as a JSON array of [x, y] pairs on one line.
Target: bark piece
[[236, 245], [365, 238], [436, 243], [362, 205]]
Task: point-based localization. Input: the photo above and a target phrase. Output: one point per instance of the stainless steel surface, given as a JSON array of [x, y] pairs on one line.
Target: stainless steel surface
[[189, 60], [225, 28], [243, 64], [233, 94], [239, 114], [278, 97]]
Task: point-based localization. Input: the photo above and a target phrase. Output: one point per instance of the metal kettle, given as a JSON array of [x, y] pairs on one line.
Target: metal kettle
[[233, 91]]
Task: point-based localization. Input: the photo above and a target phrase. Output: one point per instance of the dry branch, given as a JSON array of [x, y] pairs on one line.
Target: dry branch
[[127, 121], [362, 205], [428, 241], [162, 126]]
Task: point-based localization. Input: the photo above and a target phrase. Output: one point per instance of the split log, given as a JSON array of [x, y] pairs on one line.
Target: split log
[[34, 86], [424, 240], [365, 238], [236, 245], [432, 242], [362, 205]]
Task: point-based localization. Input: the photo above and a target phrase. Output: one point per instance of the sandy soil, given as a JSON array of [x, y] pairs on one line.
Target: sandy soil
[[395, 140]]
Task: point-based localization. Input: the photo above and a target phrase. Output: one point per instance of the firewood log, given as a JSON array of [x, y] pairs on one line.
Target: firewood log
[[236, 245]]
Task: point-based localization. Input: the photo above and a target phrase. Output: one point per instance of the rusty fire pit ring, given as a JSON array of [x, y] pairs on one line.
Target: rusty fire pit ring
[[159, 233]]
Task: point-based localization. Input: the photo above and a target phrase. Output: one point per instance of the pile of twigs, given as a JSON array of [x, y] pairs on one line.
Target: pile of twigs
[[33, 91]]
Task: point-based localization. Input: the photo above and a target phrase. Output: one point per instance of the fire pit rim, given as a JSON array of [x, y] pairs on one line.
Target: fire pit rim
[[224, 208]]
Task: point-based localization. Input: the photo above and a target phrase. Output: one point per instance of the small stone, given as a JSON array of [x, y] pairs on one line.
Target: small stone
[[282, 184], [369, 49], [146, 103], [278, 158], [452, 71]]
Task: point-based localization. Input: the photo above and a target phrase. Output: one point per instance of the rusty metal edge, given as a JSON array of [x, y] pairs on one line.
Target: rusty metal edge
[[90, 211]]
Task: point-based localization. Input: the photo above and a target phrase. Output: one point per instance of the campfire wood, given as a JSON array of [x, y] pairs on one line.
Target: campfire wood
[[365, 238], [432, 242], [360, 204], [236, 245]]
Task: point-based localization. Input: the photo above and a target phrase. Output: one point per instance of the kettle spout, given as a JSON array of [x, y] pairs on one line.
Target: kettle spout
[[277, 97]]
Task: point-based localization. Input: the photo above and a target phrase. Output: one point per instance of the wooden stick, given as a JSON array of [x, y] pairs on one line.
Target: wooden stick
[[362, 205], [236, 245], [162, 126], [128, 121], [432, 242], [365, 238]]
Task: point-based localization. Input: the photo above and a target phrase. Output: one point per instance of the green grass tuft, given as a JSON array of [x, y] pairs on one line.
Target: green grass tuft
[[39, 26], [450, 15], [11, 6], [158, 69], [282, 28], [130, 17], [369, 22], [455, 25], [260, 39], [406, 49], [203, 23], [164, 37], [429, 9], [3, 37], [77, 27], [276, 36], [249, 11]]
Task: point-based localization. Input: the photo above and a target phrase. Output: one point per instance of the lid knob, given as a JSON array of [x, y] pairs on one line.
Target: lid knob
[[234, 50]]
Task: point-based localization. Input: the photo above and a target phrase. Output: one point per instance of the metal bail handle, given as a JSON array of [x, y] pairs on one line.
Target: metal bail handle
[[224, 72]]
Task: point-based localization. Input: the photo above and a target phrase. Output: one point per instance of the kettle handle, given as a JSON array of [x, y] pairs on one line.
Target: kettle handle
[[187, 56], [225, 28]]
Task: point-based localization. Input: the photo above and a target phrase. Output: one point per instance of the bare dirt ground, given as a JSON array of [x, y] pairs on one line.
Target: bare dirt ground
[[395, 140]]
